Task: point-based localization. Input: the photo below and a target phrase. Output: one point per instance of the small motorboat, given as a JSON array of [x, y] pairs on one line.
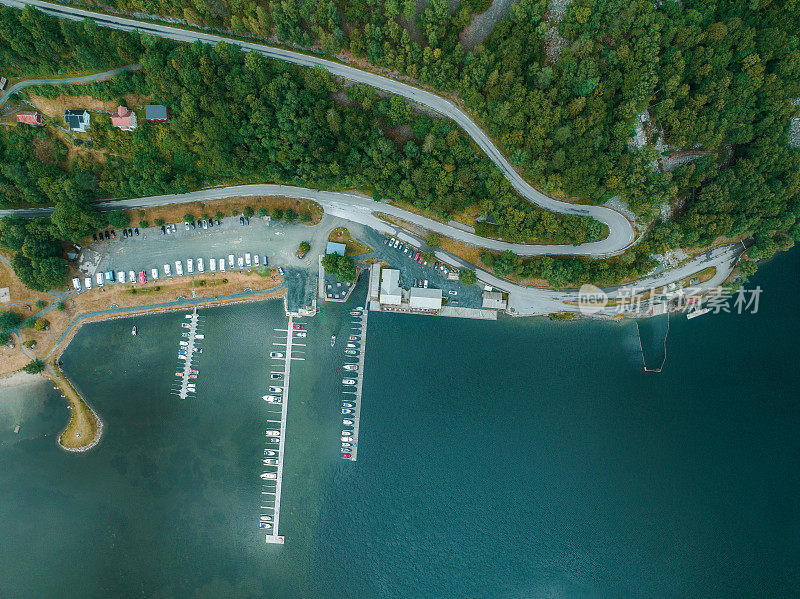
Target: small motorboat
[[348, 381], [350, 352], [193, 372], [192, 376], [184, 334], [346, 404], [301, 334], [178, 374], [269, 452], [298, 327], [347, 411], [351, 367], [276, 389], [351, 346], [333, 340], [269, 476], [134, 330], [271, 398], [353, 337], [355, 313], [347, 433], [271, 433], [347, 422], [270, 462], [345, 438], [276, 375], [275, 354], [346, 456], [265, 518]]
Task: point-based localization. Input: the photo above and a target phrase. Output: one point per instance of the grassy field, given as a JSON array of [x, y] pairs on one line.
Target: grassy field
[[353, 246], [173, 213]]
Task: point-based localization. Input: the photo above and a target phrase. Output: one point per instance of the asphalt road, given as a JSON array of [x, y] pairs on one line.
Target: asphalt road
[[84, 79], [621, 233]]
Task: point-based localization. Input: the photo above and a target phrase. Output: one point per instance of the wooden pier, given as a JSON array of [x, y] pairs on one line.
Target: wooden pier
[[276, 511], [359, 382], [183, 393]]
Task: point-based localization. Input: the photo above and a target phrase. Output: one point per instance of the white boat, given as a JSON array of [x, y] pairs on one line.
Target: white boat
[[276, 389], [271, 398], [275, 354], [347, 422], [348, 381], [347, 411], [212, 264], [352, 367], [199, 336], [266, 518], [187, 316], [343, 438], [351, 345], [269, 476], [134, 330], [347, 405], [270, 462], [333, 340], [271, 433]]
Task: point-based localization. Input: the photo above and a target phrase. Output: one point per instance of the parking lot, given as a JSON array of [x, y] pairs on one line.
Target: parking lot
[[411, 271]]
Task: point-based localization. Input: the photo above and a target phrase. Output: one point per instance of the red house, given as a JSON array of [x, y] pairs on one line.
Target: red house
[[125, 119], [29, 118]]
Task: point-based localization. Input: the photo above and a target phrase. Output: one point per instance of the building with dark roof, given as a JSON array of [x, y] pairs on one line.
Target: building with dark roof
[[155, 112], [77, 120]]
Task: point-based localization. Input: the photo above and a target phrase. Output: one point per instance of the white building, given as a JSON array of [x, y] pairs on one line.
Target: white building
[[390, 287], [425, 298], [77, 120], [494, 300]]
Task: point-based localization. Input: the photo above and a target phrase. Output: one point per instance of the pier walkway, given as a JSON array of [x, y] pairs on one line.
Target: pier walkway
[[183, 393], [359, 381], [276, 515]]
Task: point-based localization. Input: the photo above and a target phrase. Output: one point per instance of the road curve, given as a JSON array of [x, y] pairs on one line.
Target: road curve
[[621, 233], [57, 81]]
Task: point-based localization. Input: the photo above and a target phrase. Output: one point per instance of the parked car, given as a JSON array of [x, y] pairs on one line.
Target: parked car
[[205, 224], [187, 226], [94, 236], [113, 234], [137, 232], [107, 235], [163, 229], [142, 278], [241, 220], [125, 233], [210, 222]]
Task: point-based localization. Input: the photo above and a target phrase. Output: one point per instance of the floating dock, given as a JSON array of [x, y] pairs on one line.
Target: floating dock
[[359, 383], [276, 511], [183, 393]]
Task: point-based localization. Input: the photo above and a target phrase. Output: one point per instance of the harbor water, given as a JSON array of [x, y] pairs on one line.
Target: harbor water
[[517, 458]]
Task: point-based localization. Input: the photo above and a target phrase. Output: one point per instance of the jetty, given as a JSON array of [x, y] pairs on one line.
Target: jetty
[[183, 392], [276, 511], [359, 383]]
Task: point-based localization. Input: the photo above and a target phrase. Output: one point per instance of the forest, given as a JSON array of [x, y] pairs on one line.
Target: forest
[[713, 80], [241, 118]]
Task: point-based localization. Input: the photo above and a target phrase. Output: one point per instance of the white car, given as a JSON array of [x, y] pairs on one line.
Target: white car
[[230, 260], [87, 282], [222, 264], [131, 276], [240, 262], [212, 264], [167, 270], [154, 274], [247, 260], [121, 276], [76, 283], [190, 265], [200, 266], [178, 268], [99, 279]]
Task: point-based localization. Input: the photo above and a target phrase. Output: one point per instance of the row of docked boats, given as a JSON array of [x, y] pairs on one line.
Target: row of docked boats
[[348, 405]]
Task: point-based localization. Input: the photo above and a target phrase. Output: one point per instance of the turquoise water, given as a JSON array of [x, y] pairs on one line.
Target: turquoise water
[[518, 458]]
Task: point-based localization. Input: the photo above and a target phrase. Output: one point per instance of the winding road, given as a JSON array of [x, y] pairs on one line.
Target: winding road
[[58, 81], [621, 232]]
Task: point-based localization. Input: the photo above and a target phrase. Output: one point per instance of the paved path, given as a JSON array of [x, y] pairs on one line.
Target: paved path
[[621, 233], [57, 81]]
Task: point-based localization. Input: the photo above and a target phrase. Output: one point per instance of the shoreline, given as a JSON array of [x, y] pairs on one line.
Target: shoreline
[[76, 400], [18, 378]]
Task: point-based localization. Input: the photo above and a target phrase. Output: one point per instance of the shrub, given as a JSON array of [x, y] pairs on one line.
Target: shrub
[[219, 215], [290, 216], [118, 219], [188, 217], [248, 211], [5, 338], [205, 216], [277, 214], [304, 247], [467, 277], [159, 222], [61, 306], [9, 320], [40, 304], [434, 240], [34, 367], [41, 324], [262, 211], [304, 217], [143, 224]]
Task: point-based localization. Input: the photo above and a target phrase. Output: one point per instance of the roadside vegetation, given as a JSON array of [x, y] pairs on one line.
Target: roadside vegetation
[[353, 246], [343, 267]]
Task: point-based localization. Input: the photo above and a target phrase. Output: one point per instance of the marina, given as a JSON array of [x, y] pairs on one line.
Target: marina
[[273, 455], [352, 409], [186, 354]]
